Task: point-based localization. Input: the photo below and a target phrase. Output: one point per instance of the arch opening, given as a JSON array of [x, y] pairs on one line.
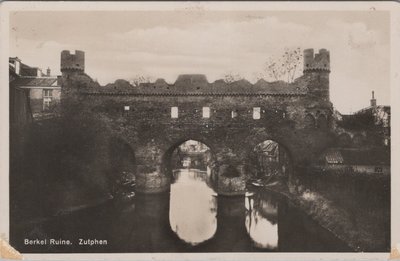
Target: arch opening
[[309, 121], [122, 163], [193, 205], [272, 161], [322, 122], [187, 154]]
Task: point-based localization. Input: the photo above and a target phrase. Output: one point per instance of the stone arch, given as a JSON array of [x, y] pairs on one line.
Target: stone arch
[[254, 139], [344, 140], [309, 121], [271, 158], [322, 122], [169, 150], [247, 146], [122, 162]]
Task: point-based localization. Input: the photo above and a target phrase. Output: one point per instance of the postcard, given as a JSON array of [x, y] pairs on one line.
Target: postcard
[[199, 130]]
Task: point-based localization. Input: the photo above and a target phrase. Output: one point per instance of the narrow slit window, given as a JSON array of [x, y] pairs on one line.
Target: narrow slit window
[[206, 112], [174, 112], [256, 113]]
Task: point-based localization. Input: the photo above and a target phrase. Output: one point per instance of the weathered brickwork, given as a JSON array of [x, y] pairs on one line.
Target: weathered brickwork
[[241, 115]]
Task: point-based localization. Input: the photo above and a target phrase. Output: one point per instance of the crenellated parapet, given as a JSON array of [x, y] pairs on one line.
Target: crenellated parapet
[[72, 62], [316, 71], [316, 62]]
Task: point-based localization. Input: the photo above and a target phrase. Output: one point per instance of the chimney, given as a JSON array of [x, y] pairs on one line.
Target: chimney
[[373, 100], [17, 66], [48, 71]]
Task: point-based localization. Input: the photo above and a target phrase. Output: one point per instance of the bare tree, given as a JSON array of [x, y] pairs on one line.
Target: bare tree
[[232, 77], [286, 68], [138, 79]]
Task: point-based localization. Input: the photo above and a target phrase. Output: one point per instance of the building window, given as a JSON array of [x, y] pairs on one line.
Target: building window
[[256, 113], [47, 93], [378, 169], [234, 114], [47, 99], [174, 112], [206, 112], [126, 108]]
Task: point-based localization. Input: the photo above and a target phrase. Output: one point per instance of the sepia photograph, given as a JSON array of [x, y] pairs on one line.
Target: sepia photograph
[[199, 128]]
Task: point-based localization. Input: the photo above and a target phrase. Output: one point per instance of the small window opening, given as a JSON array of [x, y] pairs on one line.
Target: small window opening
[[126, 108], [206, 112], [234, 114], [174, 112], [256, 113]]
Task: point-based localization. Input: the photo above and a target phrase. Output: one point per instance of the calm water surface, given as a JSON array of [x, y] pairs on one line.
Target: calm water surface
[[189, 218]]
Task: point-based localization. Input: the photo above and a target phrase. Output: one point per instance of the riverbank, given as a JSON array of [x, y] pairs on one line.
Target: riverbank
[[361, 230], [66, 197]]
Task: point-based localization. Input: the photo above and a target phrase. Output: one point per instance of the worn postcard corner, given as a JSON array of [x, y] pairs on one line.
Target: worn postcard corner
[[8, 252], [394, 253]]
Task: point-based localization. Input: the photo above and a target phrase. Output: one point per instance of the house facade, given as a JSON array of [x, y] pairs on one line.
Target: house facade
[[44, 90]]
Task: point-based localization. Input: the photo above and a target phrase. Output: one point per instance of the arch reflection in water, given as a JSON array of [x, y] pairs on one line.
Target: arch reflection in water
[[193, 206], [262, 221]]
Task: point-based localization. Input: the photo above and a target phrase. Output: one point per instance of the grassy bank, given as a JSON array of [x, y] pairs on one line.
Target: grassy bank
[[363, 224]]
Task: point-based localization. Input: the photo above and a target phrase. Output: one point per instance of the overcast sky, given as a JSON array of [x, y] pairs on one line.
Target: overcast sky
[[165, 44]]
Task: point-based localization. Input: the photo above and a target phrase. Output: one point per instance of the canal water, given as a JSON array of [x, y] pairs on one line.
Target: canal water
[[191, 217]]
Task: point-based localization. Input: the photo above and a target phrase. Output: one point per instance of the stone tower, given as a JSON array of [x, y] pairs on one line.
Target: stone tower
[[317, 69], [72, 69], [72, 63]]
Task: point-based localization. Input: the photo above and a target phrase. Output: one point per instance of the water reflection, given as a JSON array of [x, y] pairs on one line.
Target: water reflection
[[193, 214], [189, 218], [262, 221], [193, 206]]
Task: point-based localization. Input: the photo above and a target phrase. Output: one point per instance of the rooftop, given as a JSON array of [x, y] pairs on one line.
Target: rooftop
[[357, 156], [36, 82]]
